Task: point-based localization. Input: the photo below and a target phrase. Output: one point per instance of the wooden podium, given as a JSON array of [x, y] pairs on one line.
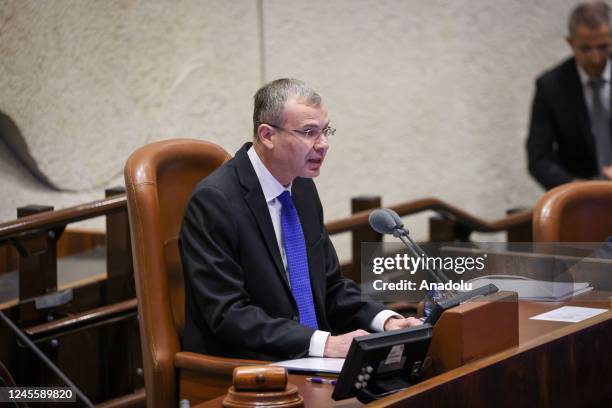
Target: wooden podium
[[473, 330]]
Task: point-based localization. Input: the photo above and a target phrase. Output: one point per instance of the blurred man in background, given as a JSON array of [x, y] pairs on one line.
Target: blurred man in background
[[569, 136]]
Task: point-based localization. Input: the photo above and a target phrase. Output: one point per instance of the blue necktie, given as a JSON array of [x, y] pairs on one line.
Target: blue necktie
[[297, 261]]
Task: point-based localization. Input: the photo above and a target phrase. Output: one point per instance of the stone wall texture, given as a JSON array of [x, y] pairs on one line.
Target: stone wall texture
[[429, 98]]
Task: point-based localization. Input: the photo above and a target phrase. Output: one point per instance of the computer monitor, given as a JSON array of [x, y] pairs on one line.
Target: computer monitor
[[383, 363]]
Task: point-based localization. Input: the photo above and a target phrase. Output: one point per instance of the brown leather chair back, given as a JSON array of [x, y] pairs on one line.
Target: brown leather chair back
[[574, 212], [160, 178]]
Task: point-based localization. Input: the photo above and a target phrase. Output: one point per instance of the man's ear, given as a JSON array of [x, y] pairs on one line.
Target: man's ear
[[265, 133]]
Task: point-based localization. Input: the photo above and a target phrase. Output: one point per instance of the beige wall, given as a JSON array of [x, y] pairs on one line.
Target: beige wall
[[429, 98]]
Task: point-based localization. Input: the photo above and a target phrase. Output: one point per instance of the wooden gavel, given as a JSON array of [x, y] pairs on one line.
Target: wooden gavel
[[261, 386]]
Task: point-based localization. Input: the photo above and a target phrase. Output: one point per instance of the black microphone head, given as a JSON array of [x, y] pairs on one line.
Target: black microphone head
[[382, 222], [399, 225]]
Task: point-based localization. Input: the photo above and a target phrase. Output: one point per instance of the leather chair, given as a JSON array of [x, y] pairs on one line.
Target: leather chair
[[160, 178], [574, 212]]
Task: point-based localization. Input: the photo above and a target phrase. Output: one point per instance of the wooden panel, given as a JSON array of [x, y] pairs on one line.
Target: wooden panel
[[9, 259], [74, 241], [570, 370], [38, 263], [118, 254], [474, 330], [555, 365]]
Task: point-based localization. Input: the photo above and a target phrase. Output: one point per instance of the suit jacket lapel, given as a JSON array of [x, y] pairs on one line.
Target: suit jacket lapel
[[577, 98], [259, 208]]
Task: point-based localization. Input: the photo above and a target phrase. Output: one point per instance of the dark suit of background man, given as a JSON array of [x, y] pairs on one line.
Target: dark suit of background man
[[239, 287], [569, 135]]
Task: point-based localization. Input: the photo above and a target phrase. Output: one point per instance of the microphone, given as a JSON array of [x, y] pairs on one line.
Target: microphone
[[382, 220], [386, 221]]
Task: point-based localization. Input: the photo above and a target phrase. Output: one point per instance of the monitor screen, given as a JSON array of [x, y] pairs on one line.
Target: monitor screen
[[383, 363]]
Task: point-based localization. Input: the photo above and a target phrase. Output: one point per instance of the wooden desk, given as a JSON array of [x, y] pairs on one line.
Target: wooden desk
[[555, 365], [315, 395]]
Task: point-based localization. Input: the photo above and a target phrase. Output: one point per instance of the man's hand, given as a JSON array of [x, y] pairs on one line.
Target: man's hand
[[393, 323], [338, 346], [607, 171]]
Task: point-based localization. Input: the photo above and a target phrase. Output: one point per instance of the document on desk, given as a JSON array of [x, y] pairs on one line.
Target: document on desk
[[313, 365], [536, 290], [571, 314]]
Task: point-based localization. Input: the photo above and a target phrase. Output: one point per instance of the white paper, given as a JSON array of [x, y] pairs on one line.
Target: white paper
[[571, 314], [313, 364]]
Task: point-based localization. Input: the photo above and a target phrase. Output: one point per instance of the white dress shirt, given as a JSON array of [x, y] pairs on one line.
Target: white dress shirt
[[271, 189]]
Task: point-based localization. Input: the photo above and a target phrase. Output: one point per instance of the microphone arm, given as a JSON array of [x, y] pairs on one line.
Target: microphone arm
[[416, 250], [400, 232], [436, 272], [409, 244]]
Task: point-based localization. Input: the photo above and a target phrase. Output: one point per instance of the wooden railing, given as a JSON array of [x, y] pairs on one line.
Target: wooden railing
[[99, 314], [36, 234], [453, 224], [448, 211], [59, 218]]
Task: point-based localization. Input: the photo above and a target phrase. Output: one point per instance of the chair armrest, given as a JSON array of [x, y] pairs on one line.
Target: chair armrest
[[204, 363]]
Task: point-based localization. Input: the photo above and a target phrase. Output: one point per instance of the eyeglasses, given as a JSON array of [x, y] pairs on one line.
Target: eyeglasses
[[312, 134], [601, 49]]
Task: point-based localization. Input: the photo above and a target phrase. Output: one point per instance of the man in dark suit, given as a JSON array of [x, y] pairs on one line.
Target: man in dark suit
[[569, 135], [262, 278]]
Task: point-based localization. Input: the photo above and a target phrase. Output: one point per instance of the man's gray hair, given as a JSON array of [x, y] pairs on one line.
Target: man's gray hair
[[591, 15], [270, 101]]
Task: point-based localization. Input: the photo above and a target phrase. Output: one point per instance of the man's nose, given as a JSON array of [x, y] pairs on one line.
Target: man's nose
[[322, 142], [596, 57]]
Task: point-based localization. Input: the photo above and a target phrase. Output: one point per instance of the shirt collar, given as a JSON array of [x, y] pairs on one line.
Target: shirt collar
[[584, 77], [269, 184]]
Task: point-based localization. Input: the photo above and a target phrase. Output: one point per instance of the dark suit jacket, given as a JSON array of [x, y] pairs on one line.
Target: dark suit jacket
[[560, 145], [237, 299]]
